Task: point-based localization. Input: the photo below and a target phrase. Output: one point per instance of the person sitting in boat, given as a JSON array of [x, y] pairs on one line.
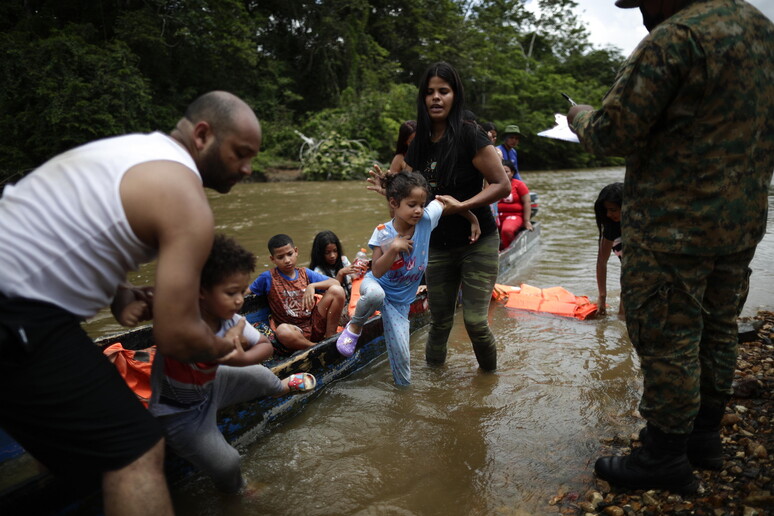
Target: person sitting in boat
[[400, 253], [607, 212], [515, 210], [511, 138], [298, 322], [187, 395], [491, 131], [328, 258]]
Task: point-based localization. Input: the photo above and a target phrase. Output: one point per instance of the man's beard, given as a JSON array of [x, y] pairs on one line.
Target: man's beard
[[214, 173]]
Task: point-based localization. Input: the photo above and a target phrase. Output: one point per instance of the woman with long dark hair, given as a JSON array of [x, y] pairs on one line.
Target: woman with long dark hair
[[456, 157], [328, 258], [406, 133]]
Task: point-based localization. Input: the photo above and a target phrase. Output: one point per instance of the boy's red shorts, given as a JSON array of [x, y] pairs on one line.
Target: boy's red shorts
[[317, 328]]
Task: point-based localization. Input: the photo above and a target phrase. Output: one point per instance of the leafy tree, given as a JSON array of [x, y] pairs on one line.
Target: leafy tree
[[558, 31], [373, 116], [190, 47], [318, 66], [326, 48], [74, 92], [336, 157], [599, 66]]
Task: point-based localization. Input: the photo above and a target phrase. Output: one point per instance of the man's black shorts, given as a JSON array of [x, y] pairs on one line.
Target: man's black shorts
[[61, 399]]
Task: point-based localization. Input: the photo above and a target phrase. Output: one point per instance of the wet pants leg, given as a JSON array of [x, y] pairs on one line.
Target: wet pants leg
[[195, 436], [371, 298], [509, 226], [397, 334], [681, 314], [396, 327], [473, 269]]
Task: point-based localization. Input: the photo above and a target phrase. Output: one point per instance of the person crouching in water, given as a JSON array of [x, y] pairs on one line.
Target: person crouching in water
[[607, 212]]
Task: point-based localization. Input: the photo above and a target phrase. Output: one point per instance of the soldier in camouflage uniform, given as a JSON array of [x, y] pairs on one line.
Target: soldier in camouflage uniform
[[692, 110]]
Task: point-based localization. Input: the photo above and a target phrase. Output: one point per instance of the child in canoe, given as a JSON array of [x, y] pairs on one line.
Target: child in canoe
[[298, 319], [328, 258], [400, 251], [187, 395]]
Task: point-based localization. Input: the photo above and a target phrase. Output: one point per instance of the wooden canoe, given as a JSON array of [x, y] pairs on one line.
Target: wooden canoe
[[26, 488]]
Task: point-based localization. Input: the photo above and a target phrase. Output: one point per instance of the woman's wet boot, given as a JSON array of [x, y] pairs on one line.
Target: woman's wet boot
[[486, 355], [661, 463], [704, 448]]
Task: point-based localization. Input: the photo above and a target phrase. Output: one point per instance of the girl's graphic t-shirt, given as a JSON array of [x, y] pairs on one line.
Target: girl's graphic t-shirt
[[401, 281]]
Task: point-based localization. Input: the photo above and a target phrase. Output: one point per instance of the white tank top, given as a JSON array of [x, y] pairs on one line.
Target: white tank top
[[64, 237]]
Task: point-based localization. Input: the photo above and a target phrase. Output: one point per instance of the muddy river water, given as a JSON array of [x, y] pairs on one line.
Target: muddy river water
[[457, 442]]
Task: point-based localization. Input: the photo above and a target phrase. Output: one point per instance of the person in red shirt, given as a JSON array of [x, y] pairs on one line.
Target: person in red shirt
[[511, 212]]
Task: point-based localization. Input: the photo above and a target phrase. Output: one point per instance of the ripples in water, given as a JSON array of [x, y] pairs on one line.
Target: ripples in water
[[457, 441]]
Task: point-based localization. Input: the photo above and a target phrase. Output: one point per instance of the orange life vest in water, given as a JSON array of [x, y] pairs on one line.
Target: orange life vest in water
[[554, 300]]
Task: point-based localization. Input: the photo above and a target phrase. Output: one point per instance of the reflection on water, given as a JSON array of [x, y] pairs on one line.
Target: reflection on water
[[457, 441]]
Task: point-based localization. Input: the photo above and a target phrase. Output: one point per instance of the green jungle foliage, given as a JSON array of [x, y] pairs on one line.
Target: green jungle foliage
[[339, 71], [336, 157]]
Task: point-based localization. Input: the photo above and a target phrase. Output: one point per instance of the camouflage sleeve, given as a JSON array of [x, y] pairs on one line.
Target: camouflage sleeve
[[646, 84]]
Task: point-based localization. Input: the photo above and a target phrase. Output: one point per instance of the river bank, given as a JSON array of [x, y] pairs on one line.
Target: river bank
[[275, 175], [745, 485]]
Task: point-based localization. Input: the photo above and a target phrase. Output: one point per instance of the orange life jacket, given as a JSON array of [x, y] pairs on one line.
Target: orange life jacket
[[354, 295], [134, 367], [554, 300]]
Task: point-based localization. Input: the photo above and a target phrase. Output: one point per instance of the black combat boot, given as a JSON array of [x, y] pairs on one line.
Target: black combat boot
[[661, 463], [704, 449]]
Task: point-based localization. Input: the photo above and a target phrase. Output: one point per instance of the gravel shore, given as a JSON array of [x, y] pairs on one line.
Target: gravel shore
[[745, 485]]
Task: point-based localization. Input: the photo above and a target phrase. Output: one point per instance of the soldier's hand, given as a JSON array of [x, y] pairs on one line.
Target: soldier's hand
[[574, 110]]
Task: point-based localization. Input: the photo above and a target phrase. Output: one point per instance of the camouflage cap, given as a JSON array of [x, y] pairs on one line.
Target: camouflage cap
[[627, 4]]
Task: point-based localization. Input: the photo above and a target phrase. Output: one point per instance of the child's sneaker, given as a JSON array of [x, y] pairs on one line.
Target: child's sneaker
[[346, 342]]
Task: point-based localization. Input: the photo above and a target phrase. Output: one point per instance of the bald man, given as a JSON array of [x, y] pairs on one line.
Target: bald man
[[692, 110], [69, 233]]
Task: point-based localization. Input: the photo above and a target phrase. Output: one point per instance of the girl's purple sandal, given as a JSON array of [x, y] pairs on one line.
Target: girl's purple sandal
[[346, 342], [301, 382]]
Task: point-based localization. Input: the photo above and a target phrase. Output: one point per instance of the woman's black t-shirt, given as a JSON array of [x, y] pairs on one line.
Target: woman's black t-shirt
[[454, 230]]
